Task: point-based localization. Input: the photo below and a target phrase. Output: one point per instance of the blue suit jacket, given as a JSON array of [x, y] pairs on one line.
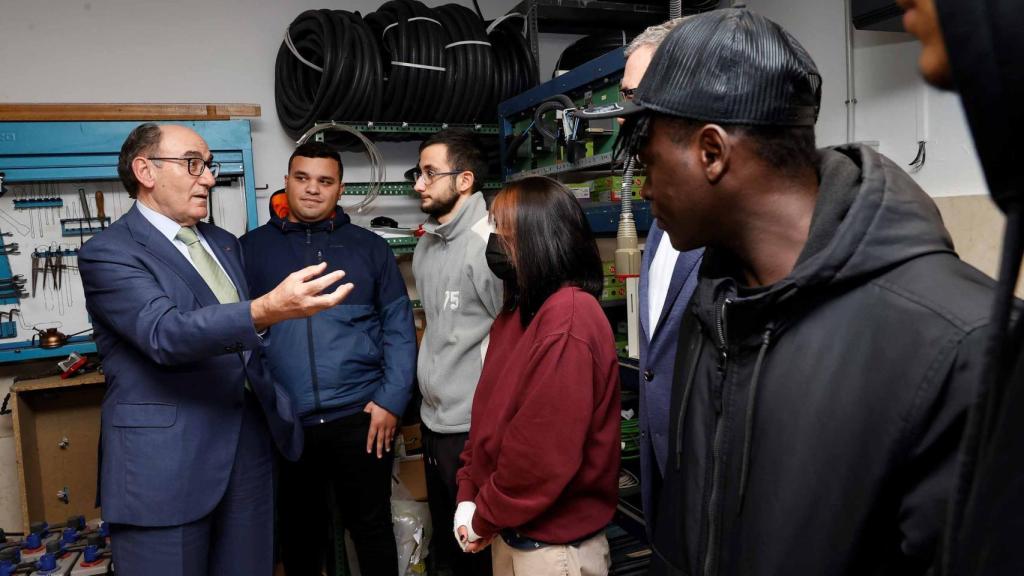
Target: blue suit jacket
[[175, 368], [657, 361]]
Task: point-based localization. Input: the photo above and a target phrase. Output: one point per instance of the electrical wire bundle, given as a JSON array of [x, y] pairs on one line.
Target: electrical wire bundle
[[516, 66], [469, 60], [589, 47], [403, 63], [378, 169], [412, 42], [328, 64]]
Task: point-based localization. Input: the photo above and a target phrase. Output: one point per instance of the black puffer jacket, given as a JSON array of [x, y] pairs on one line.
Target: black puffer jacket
[[817, 420]]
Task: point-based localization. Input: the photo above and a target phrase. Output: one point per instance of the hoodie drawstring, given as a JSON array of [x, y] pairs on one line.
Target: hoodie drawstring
[[681, 416], [748, 430]]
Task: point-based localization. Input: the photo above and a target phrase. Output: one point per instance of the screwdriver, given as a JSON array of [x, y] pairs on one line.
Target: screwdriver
[[100, 213]]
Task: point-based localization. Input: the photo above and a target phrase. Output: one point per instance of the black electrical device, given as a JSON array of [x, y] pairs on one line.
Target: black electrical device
[[878, 15]]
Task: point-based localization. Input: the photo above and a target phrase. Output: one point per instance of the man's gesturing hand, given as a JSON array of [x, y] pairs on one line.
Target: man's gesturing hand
[[298, 296]]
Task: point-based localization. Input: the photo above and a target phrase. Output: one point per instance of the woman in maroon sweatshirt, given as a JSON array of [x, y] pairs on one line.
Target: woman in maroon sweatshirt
[[539, 480]]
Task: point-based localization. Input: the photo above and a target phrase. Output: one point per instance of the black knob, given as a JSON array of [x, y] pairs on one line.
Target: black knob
[[53, 547], [76, 522], [648, 375], [37, 527], [96, 540]]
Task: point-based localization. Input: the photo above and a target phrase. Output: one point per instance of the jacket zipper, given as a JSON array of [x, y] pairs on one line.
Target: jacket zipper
[[711, 555], [309, 335]]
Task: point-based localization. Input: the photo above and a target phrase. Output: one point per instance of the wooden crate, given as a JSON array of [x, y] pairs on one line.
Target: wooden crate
[[56, 435]]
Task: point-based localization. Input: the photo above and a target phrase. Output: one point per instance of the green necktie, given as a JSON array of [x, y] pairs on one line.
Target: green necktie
[[208, 268]]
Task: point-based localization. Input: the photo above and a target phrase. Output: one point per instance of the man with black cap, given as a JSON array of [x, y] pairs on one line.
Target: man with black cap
[[834, 340], [974, 48]]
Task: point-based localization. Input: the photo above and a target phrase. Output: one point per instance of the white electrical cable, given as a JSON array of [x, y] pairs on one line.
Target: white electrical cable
[[295, 51], [422, 66], [468, 42], [503, 18], [378, 168], [413, 19]]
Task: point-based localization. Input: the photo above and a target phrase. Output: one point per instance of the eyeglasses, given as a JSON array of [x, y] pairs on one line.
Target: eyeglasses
[[195, 165], [627, 93], [430, 176]]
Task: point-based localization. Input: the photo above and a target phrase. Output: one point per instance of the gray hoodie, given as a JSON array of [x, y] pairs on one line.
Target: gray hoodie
[[461, 298]]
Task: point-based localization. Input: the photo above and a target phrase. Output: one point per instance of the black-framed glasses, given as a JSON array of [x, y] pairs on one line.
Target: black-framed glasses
[[429, 175], [627, 93], [195, 165]]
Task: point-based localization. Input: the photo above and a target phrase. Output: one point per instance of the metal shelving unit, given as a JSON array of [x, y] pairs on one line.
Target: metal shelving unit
[[410, 128], [586, 17], [396, 188]]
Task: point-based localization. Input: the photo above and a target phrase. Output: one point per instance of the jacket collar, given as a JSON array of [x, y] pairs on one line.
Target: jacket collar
[[474, 208]]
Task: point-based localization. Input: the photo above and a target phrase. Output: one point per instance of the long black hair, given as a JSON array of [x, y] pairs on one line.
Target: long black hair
[[549, 242]]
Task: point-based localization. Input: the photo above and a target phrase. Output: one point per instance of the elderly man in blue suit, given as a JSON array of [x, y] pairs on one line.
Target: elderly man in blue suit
[[190, 417], [667, 280]]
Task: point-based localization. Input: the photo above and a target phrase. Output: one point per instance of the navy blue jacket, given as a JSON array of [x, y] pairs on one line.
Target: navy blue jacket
[[364, 349], [657, 361], [175, 366]]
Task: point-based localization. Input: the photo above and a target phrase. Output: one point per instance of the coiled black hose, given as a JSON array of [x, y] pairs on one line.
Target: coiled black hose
[[517, 68], [413, 48], [324, 65], [403, 63], [469, 59]]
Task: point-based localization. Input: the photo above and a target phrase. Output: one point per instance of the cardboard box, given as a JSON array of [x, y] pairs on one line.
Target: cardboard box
[[412, 437], [412, 476]]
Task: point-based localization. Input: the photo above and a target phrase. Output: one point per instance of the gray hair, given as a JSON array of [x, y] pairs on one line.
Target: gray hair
[[653, 36]]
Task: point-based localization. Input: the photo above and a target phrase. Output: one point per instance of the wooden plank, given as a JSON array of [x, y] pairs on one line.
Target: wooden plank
[[25, 112], [52, 382], [21, 417]]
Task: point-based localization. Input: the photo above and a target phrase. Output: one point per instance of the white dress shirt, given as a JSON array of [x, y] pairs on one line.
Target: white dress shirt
[[659, 276], [169, 228]]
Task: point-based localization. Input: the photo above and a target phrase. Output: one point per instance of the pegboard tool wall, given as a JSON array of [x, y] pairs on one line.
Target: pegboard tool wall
[[57, 176]]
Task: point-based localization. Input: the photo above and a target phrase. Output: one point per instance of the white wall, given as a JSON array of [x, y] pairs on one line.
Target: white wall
[[889, 92]]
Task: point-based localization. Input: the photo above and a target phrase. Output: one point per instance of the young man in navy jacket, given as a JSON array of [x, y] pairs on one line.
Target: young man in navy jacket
[[348, 369]]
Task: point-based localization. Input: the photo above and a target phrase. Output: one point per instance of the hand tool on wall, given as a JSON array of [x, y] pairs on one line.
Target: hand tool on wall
[[85, 204], [100, 212], [35, 272]]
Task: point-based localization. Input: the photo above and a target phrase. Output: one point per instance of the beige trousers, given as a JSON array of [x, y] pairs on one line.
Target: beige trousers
[[591, 558]]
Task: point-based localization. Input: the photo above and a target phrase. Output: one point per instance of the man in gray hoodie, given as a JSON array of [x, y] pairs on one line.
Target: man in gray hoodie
[[461, 298]]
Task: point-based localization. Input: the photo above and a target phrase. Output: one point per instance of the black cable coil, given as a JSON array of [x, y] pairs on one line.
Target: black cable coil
[[412, 43], [469, 59], [589, 47], [349, 82], [403, 63], [517, 68]]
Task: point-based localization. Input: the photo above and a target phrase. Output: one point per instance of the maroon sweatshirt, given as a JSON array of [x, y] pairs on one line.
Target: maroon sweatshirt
[[543, 450]]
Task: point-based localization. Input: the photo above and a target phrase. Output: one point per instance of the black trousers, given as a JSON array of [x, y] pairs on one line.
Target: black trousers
[[441, 462], [335, 462]]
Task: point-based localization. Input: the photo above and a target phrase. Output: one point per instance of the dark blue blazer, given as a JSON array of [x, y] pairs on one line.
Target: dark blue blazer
[[657, 360], [175, 366]]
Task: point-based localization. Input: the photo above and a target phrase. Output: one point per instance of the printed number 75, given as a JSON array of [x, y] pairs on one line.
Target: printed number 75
[[451, 300]]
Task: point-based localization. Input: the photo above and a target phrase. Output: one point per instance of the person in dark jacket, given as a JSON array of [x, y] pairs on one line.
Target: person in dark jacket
[[348, 369], [834, 341], [975, 48]]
